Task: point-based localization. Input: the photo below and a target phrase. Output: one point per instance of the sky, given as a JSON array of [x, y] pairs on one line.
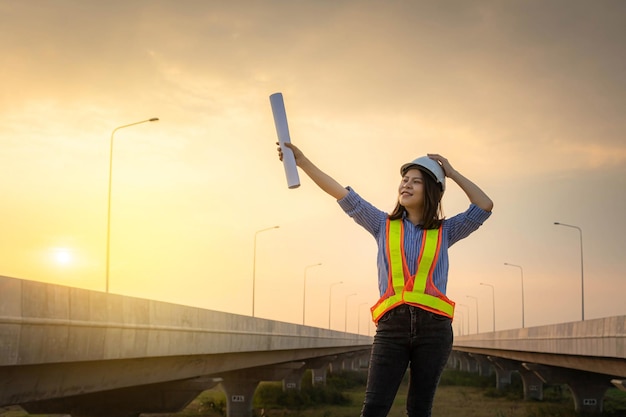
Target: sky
[[525, 98]]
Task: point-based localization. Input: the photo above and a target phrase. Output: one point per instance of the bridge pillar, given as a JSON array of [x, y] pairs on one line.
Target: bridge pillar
[[355, 364], [319, 368], [533, 385], [483, 364], [454, 361], [337, 364], [504, 368], [293, 381], [239, 394], [318, 375], [468, 364], [349, 362], [239, 386], [619, 383], [587, 388], [364, 361]]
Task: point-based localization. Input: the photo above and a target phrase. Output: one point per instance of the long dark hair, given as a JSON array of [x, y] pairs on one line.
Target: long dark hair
[[433, 213]]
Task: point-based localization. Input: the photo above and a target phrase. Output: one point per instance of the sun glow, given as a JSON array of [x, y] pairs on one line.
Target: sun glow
[[62, 256]]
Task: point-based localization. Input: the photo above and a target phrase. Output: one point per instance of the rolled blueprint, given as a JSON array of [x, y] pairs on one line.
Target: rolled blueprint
[[280, 120]]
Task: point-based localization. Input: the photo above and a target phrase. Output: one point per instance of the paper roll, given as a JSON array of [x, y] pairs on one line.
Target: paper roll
[[282, 129]]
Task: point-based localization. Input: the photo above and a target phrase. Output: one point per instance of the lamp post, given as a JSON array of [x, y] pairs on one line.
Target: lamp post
[[582, 276], [358, 325], [493, 303], [345, 326], [467, 316], [254, 264], [522, 277], [461, 325], [108, 249], [475, 299], [330, 293], [304, 290]]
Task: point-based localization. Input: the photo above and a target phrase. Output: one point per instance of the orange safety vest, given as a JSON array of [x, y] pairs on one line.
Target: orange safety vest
[[417, 290]]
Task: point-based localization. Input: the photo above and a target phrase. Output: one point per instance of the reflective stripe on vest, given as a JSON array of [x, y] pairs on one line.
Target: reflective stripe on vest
[[413, 290]]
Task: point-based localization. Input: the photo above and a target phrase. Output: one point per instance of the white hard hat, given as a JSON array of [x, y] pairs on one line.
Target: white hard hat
[[431, 166]]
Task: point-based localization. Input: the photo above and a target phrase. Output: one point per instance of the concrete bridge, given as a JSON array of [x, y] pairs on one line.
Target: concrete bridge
[[72, 351], [589, 356]]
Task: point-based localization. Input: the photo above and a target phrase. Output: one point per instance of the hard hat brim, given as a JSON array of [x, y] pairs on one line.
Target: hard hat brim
[[423, 165], [422, 168]]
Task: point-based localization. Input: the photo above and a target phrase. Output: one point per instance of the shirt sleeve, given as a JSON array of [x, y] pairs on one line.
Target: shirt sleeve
[[463, 224], [362, 212]]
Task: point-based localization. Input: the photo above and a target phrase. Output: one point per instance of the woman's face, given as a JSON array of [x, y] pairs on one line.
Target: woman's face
[[411, 190]]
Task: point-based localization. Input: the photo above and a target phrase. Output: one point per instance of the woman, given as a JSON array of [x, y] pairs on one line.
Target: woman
[[413, 315]]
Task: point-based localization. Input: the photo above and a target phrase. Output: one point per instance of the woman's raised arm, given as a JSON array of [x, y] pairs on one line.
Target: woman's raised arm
[[319, 177]]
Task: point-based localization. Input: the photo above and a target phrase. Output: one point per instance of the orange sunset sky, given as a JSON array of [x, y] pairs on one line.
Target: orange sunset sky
[[526, 98]]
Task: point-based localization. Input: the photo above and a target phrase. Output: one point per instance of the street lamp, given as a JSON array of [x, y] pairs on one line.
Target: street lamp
[[522, 277], [330, 292], [475, 299], [108, 249], [345, 326], [467, 316], [493, 303], [358, 325], [461, 325], [582, 277], [304, 290], [254, 264]]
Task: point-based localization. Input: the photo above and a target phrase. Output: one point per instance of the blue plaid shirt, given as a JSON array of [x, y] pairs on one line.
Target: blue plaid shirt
[[374, 220]]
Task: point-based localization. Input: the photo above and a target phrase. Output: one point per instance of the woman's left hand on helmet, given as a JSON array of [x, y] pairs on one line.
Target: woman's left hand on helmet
[[447, 167]]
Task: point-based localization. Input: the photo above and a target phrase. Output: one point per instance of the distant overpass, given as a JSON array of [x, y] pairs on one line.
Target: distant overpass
[[589, 356], [67, 350]]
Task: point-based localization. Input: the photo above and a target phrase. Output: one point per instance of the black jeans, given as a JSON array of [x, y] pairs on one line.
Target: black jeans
[[407, 336]]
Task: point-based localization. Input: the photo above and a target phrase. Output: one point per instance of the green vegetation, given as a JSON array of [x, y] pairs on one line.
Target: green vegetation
[[453, 377], [272, 396]]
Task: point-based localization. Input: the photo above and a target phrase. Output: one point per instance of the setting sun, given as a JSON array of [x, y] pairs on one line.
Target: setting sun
[[62, 256]]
